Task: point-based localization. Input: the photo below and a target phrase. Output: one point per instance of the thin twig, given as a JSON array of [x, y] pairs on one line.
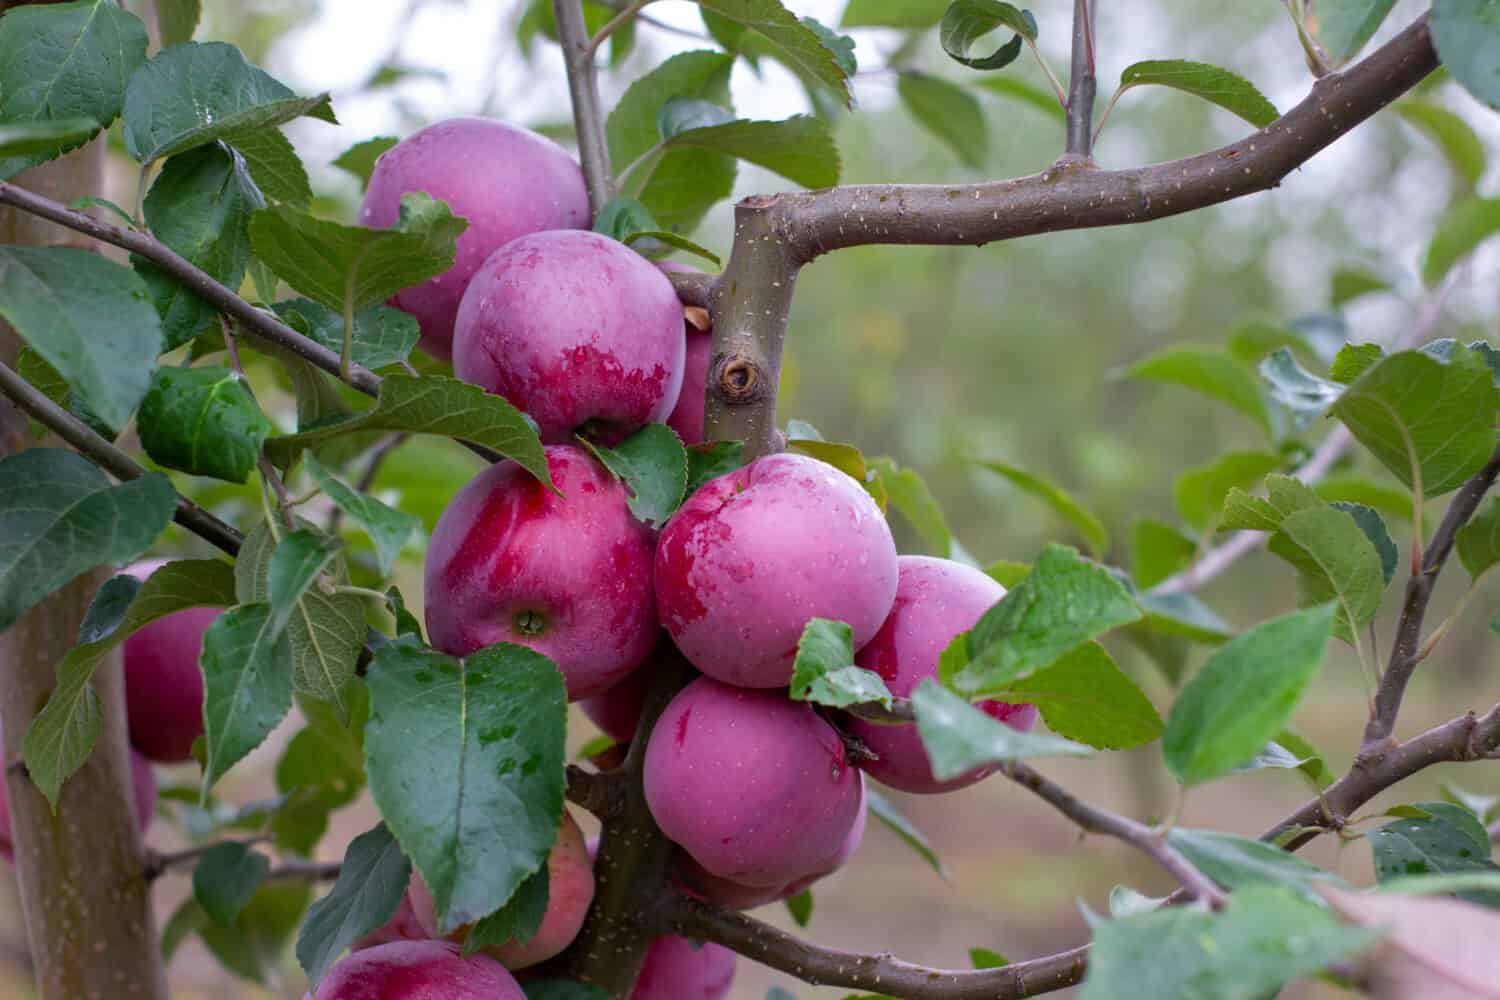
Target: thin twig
[[1081, 83], [1138, 835], [304, 871], [378, 454], [102, 453], [159, 863], [583, 87], [614, 24]]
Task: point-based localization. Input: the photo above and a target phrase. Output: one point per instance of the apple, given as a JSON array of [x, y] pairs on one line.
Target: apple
[[577, 330], [754, 786], [163, 683], [570, 890], [506, 181], [567, 575], [403, 925], [687, 417], [935, 601], [143, 785], [677, 968], [617, 711], [755, 553], [417, 970]]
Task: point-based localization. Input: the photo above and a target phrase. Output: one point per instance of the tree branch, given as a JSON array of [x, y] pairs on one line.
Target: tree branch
[[601, 794], [583, 87], [1419, 586], [104, 454], [1138, 835], [1081, 82]]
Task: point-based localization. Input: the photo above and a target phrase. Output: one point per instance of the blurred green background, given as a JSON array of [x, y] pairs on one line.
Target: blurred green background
[[941, 356]]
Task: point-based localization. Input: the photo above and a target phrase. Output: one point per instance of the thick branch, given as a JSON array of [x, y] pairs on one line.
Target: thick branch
[[1076, 196], [104, 454], [1419, 586], [1138, 835], [583, 87], [1081, 83], [601, 794]]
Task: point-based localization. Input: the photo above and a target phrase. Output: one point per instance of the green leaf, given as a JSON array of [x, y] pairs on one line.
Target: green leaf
[[653, 464], [62, 62], [824, 672], [1285, 496], [203, 421], [1064, 602], [371, 883], [1273, 756], [247, 679], [1201, 493], [518, 920], [984, 958], [893, 13], [107, 610], [335, 265], [1360, 491], [1350, 283], [952, 114], [847, 458], [199, 206], [191, 94], [686, 182], [1335, 561], [383, 336], [1374, 527], [63, 734], [1313, 765], [1183, 615], [623, 215], [225, 879], [1352, 361], [1464, 33], [1238, 862], [359, 159], [432, 405], [885, 810], [967, 21], [907, 491], [1459, 232], [1452, 135], [255, 946], [1344, 26], [1006, 573], [800, 907], [1444, 840], [1210, 372], [1265, 938], [1159, 551], [801, 148], [1008, 86], [321, 769], [295, 565], [387, 527], [59, 298], [1423, 418], [562, 989], [466, 765], [679, 114], [1304, 394], [178, 20], [1085, 697], [791, 41], [274, 166], [1214, 84], [60, 516], [959, 737], [1244, 695], [48, 137], [1088, 526], [1479, 540], [1253, 339]]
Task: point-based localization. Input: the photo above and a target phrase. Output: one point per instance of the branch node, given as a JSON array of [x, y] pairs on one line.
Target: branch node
[[741, 379]]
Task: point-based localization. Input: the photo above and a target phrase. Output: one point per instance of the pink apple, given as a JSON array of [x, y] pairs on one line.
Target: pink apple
[[570, 890], [143, 786], [617, 711], [417, 970], [679, 969], [403, 925], [506, 181], [755, 787], [754, 554], [163, 683], [687, 418], [577, 330], [569, 576], [935, 601]]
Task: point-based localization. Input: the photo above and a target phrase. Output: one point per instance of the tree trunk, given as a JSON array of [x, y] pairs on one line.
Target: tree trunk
[[86, 904]]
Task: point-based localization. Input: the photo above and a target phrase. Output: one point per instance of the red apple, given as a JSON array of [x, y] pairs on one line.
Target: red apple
[[569, 576], [754, 554], [755, 787], [576, 329], [687, 418], [506, 181], [677, 968], [163, 682], [143, 786], [935, 601], [617, 711], [417, 970]]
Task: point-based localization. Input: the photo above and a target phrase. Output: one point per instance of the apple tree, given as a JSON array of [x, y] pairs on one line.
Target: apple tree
[[199, 387]]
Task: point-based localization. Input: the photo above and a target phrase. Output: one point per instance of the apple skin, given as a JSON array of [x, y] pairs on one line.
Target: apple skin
[[687, 417], [935, 601], [754, 786], [575, 329], [143, 784], [506, 181], [417, 970], [617, 711], [568, 576], [570, 890], [677, 968], [755, 553], [163, 683]]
